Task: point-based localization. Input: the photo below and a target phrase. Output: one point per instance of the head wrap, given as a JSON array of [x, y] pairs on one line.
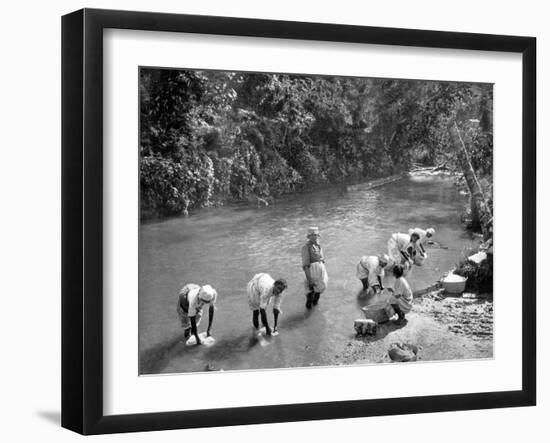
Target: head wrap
[[384, 258], [207, 293], [312, 230]]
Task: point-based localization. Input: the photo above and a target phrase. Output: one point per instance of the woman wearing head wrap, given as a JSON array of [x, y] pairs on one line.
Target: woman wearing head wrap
[[370, 270], [402, 249], [261, 290], [192, 299], [313, 264], [423, 235]]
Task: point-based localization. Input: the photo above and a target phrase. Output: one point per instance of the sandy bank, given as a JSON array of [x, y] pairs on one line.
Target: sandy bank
[[448, 329]]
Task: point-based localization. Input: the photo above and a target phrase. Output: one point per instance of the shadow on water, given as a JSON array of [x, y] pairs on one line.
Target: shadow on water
[[364, 298], [295, 320], [232, 348], [155, 359]]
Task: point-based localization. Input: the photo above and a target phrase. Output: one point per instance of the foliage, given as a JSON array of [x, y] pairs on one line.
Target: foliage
[[211, 137], [480, 276], [169, 187]]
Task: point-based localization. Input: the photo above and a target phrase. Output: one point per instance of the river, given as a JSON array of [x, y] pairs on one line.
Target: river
[[226, 246]]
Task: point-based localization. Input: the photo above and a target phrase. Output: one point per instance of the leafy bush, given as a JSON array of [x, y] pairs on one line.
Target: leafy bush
[[211, 137], [245, 169], [480, 276], [277, 177], [170, 187]]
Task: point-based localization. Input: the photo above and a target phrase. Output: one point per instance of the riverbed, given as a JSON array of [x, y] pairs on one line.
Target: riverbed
[[226, 246]]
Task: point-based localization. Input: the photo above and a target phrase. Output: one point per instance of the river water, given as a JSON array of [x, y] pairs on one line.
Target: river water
[[226, 246]]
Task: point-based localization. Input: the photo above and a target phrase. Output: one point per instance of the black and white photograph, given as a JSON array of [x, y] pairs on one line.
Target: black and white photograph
[[293, 221], [273, 221]]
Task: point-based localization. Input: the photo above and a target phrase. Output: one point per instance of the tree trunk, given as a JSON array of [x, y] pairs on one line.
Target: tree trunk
[[480, 211]]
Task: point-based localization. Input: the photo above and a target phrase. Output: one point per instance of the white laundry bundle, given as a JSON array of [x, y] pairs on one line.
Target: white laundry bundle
[[206, 341]]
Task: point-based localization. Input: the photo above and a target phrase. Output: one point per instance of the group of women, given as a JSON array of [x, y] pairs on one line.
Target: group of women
[[404, 251]]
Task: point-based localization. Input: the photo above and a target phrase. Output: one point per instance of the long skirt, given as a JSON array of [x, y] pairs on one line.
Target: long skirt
[[319, 277]]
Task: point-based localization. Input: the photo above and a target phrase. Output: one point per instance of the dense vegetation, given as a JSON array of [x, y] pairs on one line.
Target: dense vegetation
[[480, 275], [208, 137]]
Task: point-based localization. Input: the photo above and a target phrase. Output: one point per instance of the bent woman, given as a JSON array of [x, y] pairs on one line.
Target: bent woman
[[192, 299], [370, 270], [402, 248], [261, 290]]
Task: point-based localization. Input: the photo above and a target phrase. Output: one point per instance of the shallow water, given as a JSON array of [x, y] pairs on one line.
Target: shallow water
[[225, 247]]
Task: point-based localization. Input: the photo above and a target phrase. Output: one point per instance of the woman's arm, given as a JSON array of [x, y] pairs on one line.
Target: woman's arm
[[194, 329], [263, 316], [211, 310], [305, 265]]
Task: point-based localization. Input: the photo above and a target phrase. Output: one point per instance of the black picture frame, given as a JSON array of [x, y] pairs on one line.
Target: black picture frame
[[82, 220]]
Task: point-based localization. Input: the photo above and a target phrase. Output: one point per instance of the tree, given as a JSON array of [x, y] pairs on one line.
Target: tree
[[207, 137]]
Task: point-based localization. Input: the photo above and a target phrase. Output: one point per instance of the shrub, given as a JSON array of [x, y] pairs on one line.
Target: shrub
[[277, 177], [170, 187], [245, 167], [480, 276]]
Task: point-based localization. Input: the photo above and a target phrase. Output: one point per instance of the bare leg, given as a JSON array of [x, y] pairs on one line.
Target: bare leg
[[309, 300], [255, 318], [276, 313], [263, 316]]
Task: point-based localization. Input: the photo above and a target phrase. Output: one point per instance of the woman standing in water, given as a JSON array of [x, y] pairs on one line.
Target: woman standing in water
[[313, 264]]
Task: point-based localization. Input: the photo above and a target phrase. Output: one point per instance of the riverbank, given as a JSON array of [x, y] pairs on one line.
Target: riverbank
[[442, 328]]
